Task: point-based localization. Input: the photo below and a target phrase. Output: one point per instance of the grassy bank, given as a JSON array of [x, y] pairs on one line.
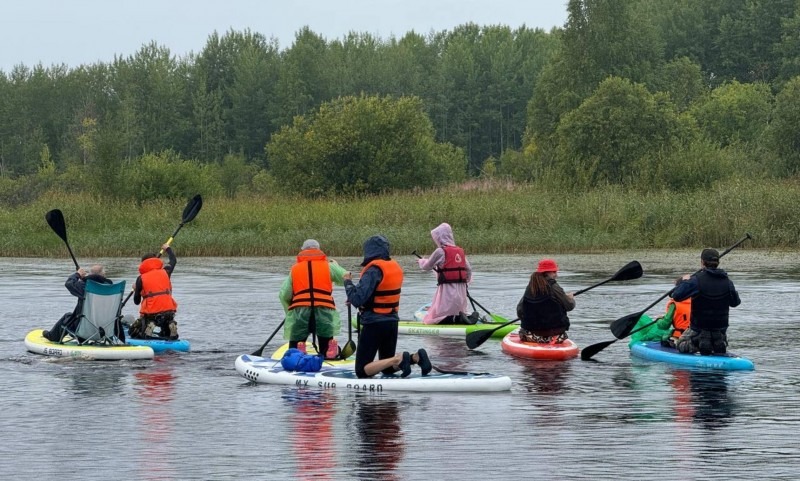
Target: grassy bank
[[486, 218]]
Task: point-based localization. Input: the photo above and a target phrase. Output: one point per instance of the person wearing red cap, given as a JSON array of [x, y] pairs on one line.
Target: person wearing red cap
[[712, 294], [544, 306]]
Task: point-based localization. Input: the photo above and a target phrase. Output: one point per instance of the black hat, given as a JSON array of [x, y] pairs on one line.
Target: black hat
[[710, 255]]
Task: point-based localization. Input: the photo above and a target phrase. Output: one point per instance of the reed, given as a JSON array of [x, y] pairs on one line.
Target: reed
[[488, 217]]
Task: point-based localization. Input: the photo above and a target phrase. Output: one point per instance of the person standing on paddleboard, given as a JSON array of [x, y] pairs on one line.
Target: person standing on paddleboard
[[76, 285], [713, 294], [307, 299], [544, 306], [453, 273], [377, 296]]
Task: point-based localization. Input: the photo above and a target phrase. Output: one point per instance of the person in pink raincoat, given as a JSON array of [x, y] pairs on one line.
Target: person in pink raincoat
[[453, 273]]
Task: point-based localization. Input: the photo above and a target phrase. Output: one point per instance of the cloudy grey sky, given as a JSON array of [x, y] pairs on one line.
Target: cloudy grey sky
[[77, 32]]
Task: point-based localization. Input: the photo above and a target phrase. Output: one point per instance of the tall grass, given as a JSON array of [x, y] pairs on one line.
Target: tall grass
[[486, 218]]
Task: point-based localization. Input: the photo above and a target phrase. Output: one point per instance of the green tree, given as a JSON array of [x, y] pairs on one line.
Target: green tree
[[362, 144], [735, 112], [784, 130]]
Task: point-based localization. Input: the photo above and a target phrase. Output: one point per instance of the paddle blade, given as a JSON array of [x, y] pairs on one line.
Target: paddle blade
[[623, 326], [55, 219], [589, 351], [476, 338], [348, 350], [632, 270], [192, 208]]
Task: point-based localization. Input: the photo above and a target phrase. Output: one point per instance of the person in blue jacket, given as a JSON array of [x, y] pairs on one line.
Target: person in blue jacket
[[713, 294], [377, 296]]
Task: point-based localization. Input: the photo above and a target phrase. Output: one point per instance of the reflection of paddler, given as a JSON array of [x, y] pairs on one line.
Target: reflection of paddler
[[713, 405], [681, 383], [546, 377], [312, 433], [156, 391], [381, 444]]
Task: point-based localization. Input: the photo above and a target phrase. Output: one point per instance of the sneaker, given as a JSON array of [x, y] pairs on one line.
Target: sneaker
[[405, 365], [424, 362]]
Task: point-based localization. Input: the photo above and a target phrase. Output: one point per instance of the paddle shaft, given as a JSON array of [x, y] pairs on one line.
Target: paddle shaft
[[260, 350]]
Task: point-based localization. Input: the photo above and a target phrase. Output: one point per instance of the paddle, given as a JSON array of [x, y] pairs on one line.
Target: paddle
[[189, 213], [631, 270], [350, 347], [260, 350], [622, 327], [55, 219]]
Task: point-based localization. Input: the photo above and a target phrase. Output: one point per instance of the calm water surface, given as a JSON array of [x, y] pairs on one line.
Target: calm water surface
[[192, 417]]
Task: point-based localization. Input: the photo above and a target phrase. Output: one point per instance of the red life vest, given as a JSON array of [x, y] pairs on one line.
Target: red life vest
[[386, 298], [156, 288], [454, 267], [311, 280], [681, 316]]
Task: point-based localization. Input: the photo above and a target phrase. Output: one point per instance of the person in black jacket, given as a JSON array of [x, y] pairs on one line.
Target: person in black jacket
[[76, 285], [544, 306], [713, 294]]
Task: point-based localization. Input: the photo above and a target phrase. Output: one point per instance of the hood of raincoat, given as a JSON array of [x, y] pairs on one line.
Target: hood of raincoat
[[376, 247], [443, 235]]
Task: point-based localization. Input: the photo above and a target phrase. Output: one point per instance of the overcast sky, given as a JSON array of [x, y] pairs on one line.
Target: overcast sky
[[76, 32]]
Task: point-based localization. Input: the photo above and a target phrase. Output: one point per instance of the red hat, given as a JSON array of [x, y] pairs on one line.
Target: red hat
[[547, 265]]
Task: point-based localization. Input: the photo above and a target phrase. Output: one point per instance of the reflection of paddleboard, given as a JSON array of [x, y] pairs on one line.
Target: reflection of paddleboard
[[37, 344], [267, 371], [534, 350], [654, 351], [278, 355]]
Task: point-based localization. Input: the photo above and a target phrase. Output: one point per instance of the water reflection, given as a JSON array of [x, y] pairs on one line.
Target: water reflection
[[380, 447], [95, 379], [544, 377], [156, 391], [311, 432], [712, 405]]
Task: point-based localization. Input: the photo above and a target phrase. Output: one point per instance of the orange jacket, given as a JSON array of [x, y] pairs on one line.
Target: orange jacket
[[311, 280], [156, 288], [681, 316], [386, 298]]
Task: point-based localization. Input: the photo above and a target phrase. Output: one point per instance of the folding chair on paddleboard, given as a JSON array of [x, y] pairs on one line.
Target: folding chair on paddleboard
[[101, 314]]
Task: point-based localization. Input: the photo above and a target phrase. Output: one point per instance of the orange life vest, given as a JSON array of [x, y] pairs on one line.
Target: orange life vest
[[156, 288], [311, 280], [681, 316], [386, 298]]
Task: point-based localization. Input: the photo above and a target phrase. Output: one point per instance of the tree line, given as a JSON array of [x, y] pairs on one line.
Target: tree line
[[643, 93]]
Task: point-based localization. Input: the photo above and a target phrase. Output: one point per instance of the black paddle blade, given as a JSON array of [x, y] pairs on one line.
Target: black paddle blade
[[589, 351], [623, 326], [192, 208], [632, 270], [55, 219], [476, 338]]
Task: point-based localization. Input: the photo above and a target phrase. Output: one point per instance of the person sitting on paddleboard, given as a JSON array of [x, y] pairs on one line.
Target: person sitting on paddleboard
[[544, 306], [76, 285], [153, 290], [307, 299], [453, 273], [668, 328], [712, 294], [377, 296]]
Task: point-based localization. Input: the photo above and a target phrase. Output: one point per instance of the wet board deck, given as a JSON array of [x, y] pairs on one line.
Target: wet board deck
[[37, 344], [267, 371], [654, 351], [531, 350]]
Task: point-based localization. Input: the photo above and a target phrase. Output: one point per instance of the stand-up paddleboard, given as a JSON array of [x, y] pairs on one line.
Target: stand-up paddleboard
[[159, 345], [534, 350], [654, 351], [267, 371], [447, 330], [37, 344], [278, 355]]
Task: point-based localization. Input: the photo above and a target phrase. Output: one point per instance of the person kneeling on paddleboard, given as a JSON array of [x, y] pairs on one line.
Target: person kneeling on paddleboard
[[153, 290], [377, 296], [544, 306], [713, 294], [453, 273], [307, 299]]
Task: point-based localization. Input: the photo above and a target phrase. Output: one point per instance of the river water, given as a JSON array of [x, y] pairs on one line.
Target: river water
[[191, 416]]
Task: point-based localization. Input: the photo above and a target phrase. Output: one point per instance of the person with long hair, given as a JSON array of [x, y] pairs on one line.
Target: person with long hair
[[544, 306]]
